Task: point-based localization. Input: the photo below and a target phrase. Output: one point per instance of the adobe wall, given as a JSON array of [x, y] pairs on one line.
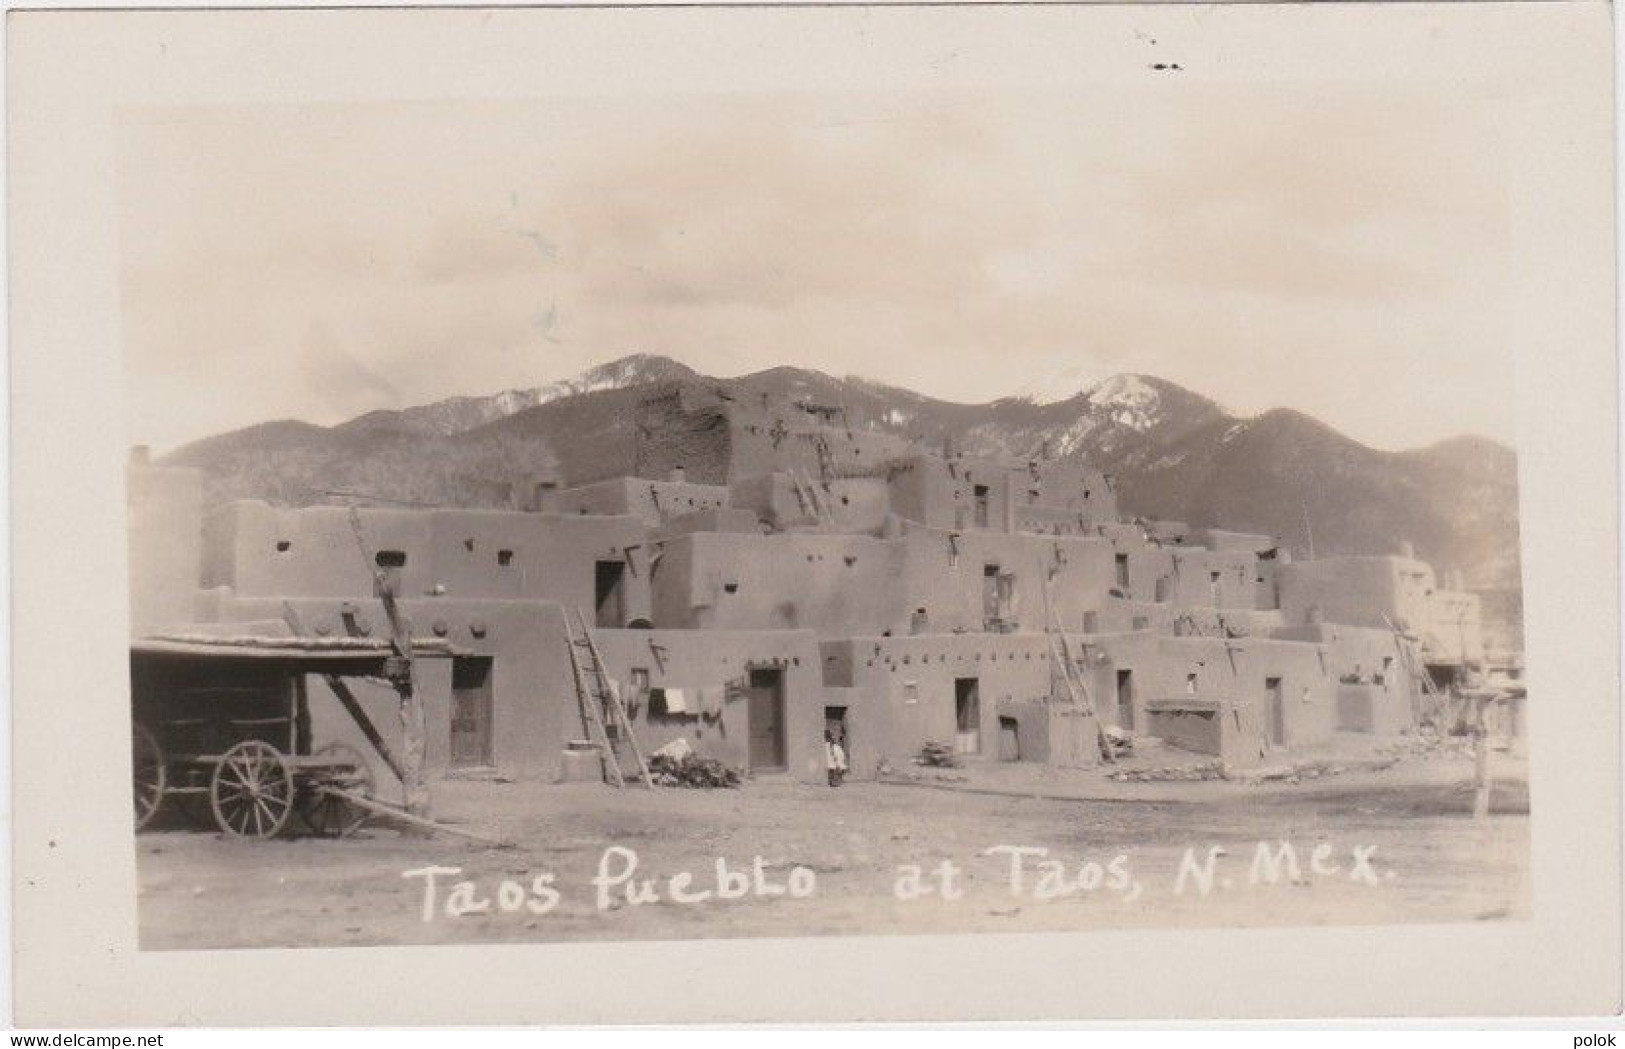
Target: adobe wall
[[729, 519], [1371, 709], [717, 439], [1219, 539], [260, 550], [165, 514], [1213, 578], [1054, 520], [1100, 659], [1452, 632], [1359, 591], [852, 504], [1170, 532], [681, 427], [907, 687], [655, 502], [1308, 690], [531, 686], [826, 583], [967, 492], [945, 573], [691, 661], [1376, 690], [774, 501], [925, 581], [1181, 686]]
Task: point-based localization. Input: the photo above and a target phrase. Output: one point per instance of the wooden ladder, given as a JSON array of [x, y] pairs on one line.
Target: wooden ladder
[[1443, 706], [1075, 687], [595, 694], [807, 491]]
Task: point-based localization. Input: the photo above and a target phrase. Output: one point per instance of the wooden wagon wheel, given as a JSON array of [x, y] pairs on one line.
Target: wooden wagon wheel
[[251, 791], [345, 769], [147, 774]]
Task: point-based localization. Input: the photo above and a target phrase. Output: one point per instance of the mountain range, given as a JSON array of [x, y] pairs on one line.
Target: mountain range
[[1175, 454]]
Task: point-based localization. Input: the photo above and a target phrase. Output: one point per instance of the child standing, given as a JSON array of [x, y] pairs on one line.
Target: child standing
[[834, 758]]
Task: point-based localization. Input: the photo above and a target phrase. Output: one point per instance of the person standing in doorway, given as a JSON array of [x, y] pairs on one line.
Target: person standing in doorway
[[834, 758]]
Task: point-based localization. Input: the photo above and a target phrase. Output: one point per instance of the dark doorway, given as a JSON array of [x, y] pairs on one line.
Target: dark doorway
[[835, 723], [1275, 704], [980, 492], [967, 715], [609, 593], [766, 711], [1443, 676], [1125, 699], [1009, 740], [1122, 572], [470, 713], [990, 597], [388, 579]]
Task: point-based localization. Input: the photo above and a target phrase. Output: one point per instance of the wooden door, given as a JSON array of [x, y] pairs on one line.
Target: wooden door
[[1009, 740], [470, 713], [968, 715], [766, 713], [609, 594], [1125, 699], [1275, 704]]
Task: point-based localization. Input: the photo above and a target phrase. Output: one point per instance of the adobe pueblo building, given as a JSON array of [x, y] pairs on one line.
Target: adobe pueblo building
[[770, 572]]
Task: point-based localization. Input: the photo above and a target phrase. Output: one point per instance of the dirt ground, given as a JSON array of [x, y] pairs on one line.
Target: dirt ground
[[1371, 845]]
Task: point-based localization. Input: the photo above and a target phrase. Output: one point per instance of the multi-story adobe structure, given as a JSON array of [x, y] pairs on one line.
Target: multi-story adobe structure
[[772, 570]]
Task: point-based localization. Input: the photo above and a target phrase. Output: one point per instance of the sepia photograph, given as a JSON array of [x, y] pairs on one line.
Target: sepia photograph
[[946, 491], [823, 513]]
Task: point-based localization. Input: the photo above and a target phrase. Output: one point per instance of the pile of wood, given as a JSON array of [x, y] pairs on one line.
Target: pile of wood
[[937, 755], [691, 770], [1170, 774]]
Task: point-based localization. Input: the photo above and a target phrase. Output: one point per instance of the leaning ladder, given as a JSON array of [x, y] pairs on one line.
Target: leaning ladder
[[595, 694], [1075, 687], [1443, 706]]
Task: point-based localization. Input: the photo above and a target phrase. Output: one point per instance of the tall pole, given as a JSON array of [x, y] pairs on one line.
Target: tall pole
[[398, 671]]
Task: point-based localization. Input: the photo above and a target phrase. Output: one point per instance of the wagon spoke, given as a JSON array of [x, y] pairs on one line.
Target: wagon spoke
[[251, 790], [149, 774], [342, 767]]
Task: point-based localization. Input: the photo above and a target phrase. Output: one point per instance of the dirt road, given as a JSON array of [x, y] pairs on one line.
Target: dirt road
[[1392, 847]]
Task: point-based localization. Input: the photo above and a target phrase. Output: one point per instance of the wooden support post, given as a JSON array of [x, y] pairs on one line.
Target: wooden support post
[[1481, 761], [359, 715], [351, 705], [398, 669], [413, 733]]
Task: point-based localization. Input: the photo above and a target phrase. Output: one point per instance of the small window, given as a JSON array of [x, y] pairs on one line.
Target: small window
[[282, 546], [1190, 684], [504, 558], [388, 579]]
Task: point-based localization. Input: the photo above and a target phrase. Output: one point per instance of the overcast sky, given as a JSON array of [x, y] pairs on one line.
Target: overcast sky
[[1340, 251]]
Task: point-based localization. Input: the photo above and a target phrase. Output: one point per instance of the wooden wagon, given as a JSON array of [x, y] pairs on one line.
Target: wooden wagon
[[225, 722]]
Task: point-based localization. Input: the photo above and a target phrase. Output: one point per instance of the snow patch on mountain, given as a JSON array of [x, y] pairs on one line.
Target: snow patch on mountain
[[1062, 385], [1128, 400], [456, 414]]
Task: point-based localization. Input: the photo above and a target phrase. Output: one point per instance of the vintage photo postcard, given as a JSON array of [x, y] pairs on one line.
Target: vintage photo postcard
[[828, 513]]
